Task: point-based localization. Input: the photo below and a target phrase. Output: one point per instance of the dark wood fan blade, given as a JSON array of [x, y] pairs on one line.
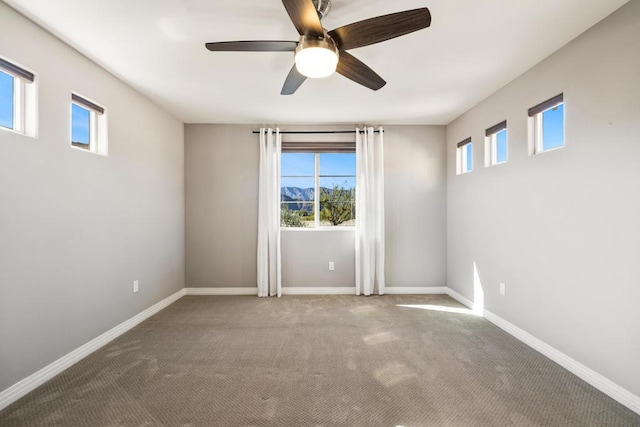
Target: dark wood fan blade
[[304, 16], [381, 28], [354, 69], [293, 82], [253, 46]]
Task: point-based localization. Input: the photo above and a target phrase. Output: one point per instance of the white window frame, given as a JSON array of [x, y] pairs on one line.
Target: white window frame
[[316, 193], [536, 124], [24, 98], [462, 165], [97, 125], [491, 144]]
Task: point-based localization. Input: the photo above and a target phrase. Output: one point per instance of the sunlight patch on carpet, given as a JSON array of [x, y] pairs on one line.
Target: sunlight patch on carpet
[[444, 308]]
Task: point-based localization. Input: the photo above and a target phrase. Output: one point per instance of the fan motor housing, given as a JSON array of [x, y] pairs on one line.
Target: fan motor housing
[[323, 7], [326, 43]]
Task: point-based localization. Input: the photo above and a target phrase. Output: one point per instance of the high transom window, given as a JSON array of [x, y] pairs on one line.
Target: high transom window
[[464, 156], [17, 99], [88, 125], [496, 149], [546, 125]]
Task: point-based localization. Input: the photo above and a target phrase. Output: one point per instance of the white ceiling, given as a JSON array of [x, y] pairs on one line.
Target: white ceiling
[[472, 48]]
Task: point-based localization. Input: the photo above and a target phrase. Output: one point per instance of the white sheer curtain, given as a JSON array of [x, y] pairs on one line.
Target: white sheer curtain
[[369, 212], [269, 269]]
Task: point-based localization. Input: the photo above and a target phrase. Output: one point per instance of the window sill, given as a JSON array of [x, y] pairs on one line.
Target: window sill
[[497, 164], [330, 229], [549, 150], [18, 132], [84, 150]]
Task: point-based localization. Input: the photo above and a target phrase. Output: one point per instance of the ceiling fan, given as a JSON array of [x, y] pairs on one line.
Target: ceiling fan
[[319, 53]]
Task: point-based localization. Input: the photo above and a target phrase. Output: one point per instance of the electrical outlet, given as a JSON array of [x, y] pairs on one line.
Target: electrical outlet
[[503, 288], [135, 286], [332, 266]]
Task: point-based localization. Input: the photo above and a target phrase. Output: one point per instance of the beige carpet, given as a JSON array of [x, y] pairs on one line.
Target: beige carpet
[[316, 361]]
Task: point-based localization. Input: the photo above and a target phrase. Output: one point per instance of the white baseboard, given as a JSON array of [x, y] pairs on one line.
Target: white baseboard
[[290, 290], [590, 376], [458, 297], [608, 387], [293, 290], [285, 291], [414, 290], [28, 384], [221, 291], [391, 290]]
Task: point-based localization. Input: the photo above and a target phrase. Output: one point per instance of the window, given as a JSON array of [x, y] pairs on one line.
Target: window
[[317, 189], [464, 156], [546, 125], [88, 125], [496, 144], [17, 99]]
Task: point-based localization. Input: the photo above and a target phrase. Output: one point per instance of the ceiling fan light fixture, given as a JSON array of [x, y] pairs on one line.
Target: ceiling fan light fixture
[[316, 58], [316, 62]]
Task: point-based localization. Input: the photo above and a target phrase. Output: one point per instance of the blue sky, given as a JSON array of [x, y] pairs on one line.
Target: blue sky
[[303, 164], [553, 128], [79, 124], [6, 100], [338, 164], [501, 146], [469, 150], [297, 164]]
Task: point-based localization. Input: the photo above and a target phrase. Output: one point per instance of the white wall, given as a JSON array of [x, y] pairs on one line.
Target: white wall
[[76, 228], [221, 208], [561, 228]]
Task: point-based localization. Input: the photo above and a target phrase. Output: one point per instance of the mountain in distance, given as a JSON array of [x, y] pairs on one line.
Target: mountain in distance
[[301, 197], [296, 194]]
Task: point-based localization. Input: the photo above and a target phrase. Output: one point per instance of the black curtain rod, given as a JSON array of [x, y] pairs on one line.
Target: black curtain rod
[[309, 132]]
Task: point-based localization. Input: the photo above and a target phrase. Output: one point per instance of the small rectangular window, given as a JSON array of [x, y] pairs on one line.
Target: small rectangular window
[[496, 148], [464, 156], [88, 125], [546, 125], [317, 189], [17, 99]]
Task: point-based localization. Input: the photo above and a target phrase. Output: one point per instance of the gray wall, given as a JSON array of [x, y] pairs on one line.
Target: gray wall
[[415, 206], [76, 228], [561, 228], [221, 193], [222, 170], [306, 256]]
